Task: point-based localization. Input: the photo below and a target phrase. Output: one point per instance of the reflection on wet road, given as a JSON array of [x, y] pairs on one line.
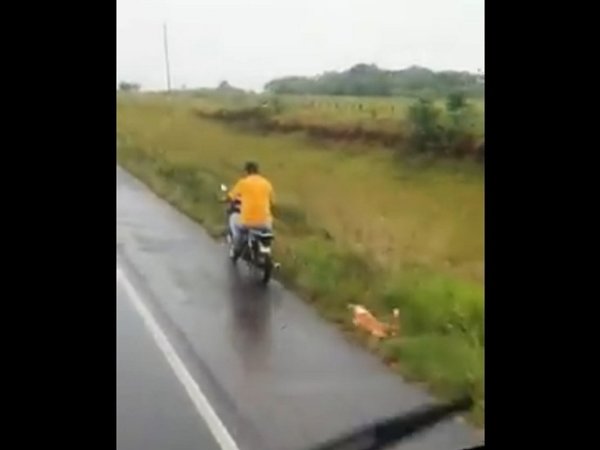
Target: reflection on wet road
[[250, 326]]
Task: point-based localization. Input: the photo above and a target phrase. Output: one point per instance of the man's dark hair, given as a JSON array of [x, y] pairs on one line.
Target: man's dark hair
[[251, 167]]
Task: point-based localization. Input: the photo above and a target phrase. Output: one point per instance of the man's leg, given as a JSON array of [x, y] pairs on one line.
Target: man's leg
[[233, 221], [238, 243]]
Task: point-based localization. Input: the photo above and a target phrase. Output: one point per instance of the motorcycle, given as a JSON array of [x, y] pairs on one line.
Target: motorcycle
[[256, 248]]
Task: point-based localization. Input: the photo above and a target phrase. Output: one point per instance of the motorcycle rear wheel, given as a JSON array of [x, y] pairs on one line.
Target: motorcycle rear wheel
[[267, 270]]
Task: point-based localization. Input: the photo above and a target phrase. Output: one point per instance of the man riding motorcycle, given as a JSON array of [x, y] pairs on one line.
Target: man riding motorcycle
[[256, 195]]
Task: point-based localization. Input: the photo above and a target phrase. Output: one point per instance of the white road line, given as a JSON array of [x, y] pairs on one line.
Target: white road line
[[198, 398]]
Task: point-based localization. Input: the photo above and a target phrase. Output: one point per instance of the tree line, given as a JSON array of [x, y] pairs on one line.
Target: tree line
[[370, 80]]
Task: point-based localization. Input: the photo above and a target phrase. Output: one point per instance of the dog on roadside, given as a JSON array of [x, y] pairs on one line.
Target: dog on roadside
[[364, 319]]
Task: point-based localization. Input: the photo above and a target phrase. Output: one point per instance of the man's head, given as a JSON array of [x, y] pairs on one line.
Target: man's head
[[251, 168]]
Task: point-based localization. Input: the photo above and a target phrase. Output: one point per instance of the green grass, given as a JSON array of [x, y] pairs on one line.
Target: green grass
[[351, 226], [447, 363], [436, 303]]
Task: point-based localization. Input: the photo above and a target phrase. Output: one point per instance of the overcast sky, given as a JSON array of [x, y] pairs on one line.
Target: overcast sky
[[249, 42]]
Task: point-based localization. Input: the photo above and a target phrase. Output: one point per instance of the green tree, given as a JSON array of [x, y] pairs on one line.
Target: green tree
[[370, 80], [126, 86], [456, 101], [459, 126], [425, 125]]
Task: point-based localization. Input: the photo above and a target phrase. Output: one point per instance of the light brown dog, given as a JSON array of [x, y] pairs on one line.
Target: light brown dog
[[362, 318]]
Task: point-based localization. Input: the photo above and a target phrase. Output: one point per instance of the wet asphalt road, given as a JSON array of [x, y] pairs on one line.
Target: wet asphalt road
[[153, 410], [277, 376]]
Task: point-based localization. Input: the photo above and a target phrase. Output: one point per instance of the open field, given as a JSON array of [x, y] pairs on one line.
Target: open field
[[352, 226], [371, 113]]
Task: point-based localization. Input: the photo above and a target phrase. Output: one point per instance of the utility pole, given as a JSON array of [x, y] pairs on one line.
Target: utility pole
[[167, 58]]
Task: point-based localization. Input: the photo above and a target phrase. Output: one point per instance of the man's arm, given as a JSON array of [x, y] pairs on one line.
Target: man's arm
[[271, 195], [235, 191]]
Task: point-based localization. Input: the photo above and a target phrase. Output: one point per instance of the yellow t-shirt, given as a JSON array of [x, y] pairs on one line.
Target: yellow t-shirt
[[256, 195]]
